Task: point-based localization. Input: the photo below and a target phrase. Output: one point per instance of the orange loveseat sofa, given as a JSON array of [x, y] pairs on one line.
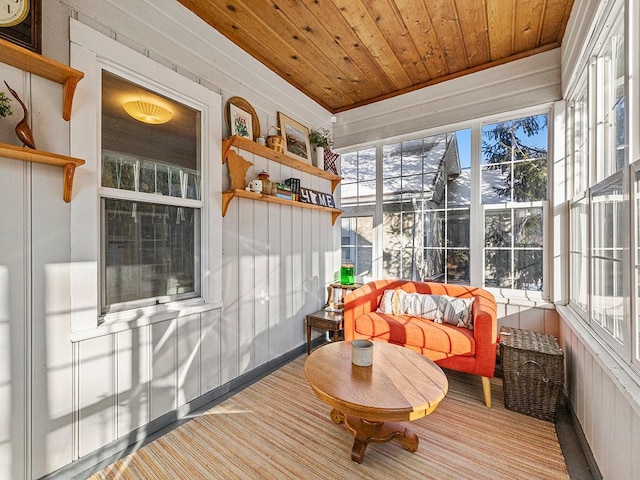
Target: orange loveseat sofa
[[456, 348]]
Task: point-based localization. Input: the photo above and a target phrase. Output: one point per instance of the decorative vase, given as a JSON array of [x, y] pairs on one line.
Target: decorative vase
[[319, 157], [23, 131]]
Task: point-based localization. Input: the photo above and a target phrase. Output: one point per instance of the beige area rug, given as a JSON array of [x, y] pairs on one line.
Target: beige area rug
[[278, 429]]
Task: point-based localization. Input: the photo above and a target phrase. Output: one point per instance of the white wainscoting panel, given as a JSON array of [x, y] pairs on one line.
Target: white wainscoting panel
[[604, 400], [133, 379]]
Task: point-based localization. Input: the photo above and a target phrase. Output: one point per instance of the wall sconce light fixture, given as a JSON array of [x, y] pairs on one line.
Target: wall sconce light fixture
[[147, 112]]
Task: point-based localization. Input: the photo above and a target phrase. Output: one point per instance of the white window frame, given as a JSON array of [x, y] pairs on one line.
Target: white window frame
[[90, 53]]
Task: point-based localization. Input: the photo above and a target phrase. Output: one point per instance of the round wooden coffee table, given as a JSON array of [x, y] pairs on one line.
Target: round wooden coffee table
[[401, 385]]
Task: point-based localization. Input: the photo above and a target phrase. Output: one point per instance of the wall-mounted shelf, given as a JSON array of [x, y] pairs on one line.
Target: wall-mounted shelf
[[229, 195], [238, 167], [29, 61], [25, 154], [68, 77], [266, 152]]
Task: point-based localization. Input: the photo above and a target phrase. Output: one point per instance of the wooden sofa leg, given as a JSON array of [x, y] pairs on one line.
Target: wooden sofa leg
[[486, 388]]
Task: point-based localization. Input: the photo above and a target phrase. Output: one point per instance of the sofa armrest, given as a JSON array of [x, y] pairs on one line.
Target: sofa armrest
[[485, 332], [364, 300]]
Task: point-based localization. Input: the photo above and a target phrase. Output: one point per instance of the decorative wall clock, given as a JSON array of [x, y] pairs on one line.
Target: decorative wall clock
[[20, 22]]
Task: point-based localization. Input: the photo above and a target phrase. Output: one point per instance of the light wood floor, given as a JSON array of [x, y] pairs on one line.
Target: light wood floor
[[277, 428]]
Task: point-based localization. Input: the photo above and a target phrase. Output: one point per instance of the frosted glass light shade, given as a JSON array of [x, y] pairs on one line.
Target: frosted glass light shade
[[147, 112]]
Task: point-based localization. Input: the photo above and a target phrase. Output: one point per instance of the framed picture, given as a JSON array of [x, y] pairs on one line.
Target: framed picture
[[296, 138], [241, 108], [21, 23], [240, 122]]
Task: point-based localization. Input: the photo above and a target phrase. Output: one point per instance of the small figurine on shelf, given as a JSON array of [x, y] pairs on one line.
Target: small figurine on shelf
[[255, 186], [263, 176], [23, 130]]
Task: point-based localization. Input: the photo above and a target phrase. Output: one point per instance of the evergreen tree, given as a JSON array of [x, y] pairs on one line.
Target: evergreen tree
[[507, 148]]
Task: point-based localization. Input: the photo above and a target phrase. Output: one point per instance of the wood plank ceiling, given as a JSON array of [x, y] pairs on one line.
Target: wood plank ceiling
[[348, 53]]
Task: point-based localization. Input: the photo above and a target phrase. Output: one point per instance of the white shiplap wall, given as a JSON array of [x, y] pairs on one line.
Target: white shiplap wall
[[63, 400]]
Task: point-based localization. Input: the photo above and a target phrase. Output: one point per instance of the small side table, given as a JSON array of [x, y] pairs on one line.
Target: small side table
[[331, 321], [331, 294]]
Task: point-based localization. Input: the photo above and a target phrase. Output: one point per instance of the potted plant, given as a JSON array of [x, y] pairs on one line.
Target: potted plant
[[321, 138], [5, 105]]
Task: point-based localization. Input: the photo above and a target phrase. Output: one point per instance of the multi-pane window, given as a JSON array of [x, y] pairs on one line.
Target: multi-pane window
[[514, 194], [599, 217], [425, 206], [150, 199], [358, 201], [423, 210]]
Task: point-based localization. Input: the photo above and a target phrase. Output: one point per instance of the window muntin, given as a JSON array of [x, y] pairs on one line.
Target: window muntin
[[150, 201]]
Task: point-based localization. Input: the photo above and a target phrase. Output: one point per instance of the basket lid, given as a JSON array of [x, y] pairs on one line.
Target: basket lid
[[530, 341]]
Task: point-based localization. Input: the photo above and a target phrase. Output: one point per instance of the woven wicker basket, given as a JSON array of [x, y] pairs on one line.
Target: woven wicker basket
[[533, 372]]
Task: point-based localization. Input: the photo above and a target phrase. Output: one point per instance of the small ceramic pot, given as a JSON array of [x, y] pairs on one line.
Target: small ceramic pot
[[362, 353]]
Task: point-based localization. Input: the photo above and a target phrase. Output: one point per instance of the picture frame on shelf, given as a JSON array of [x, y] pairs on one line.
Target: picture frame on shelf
[[241, 104], [240, 122], [296, 138], [22, 24]]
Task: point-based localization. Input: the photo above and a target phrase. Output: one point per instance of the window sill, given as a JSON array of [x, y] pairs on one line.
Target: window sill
[[522, 298], [132, 319]]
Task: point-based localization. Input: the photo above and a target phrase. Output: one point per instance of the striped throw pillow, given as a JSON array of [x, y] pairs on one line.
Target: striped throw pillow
[[386, 302], [399, 302], [456, 311], [420, 305]]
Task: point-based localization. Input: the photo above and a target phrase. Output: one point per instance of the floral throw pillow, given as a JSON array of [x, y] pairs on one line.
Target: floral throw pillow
[[456, 311]]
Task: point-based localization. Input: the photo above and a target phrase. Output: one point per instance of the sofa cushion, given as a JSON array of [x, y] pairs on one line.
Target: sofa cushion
[[456, 311], [416, 332]]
